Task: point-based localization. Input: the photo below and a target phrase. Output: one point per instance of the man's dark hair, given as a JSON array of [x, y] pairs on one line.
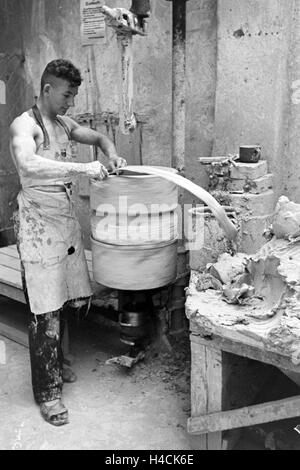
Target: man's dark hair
[[63, 69]]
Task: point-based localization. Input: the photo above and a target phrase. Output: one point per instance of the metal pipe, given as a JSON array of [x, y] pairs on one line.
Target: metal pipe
[[178, 84]]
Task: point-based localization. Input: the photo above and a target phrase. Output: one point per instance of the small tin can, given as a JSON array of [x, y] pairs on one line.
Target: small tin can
[[250, 153]]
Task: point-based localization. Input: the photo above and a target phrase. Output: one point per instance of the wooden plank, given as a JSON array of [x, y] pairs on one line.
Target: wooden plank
[[257, 354], [243, 417], [11, 277], [11, 292], [10, 250], [10, 261], [206, 391], [215, 391], [198, 389], [207, 330], [14, 334], [10, 254]]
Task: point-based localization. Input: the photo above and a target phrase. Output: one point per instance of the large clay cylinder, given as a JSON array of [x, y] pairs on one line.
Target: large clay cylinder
[[134, 231]]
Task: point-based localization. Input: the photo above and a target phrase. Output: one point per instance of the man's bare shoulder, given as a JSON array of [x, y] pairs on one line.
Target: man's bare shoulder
[[71, 123], [24, 124]]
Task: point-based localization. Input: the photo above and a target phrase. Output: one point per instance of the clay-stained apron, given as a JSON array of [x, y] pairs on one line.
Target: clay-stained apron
[[50, 241], [52, 251]]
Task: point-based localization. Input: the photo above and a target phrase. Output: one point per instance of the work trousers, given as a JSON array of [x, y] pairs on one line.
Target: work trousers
[[46, 357], [45, 341], [45, 344]]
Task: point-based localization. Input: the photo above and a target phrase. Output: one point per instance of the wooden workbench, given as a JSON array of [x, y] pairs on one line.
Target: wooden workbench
[[220, 333]]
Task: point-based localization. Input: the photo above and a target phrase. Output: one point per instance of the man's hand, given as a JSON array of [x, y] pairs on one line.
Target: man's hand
[[116, 163], [96, 170]]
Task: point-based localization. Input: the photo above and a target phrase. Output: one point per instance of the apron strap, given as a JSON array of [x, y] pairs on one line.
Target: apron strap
[[64, 126], [40, 122]]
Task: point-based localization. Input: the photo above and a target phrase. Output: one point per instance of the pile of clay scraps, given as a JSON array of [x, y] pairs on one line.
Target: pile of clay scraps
[[273, 271]]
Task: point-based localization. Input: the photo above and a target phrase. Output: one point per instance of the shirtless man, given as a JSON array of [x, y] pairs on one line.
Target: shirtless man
[[49, 238]]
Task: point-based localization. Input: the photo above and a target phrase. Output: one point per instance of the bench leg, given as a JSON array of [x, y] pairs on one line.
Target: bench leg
[[207, 390]]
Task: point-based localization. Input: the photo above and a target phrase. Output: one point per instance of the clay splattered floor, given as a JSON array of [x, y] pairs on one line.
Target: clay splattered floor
[[112, 408]]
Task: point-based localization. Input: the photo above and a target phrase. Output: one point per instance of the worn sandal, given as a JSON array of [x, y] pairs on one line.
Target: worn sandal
[[68, 376], [55, 414]]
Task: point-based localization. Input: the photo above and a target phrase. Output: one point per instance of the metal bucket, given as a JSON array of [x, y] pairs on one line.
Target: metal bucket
[[134, 231]]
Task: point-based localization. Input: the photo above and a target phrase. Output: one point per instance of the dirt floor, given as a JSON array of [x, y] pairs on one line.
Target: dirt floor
[[110, 407], [113, 408]]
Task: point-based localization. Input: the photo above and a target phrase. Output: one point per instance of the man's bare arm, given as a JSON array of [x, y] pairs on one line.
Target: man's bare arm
[[23, 149], [85, 135], [88, 136]]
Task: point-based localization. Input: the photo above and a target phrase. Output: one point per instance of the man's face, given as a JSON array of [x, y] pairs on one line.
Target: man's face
[[60, 96]]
